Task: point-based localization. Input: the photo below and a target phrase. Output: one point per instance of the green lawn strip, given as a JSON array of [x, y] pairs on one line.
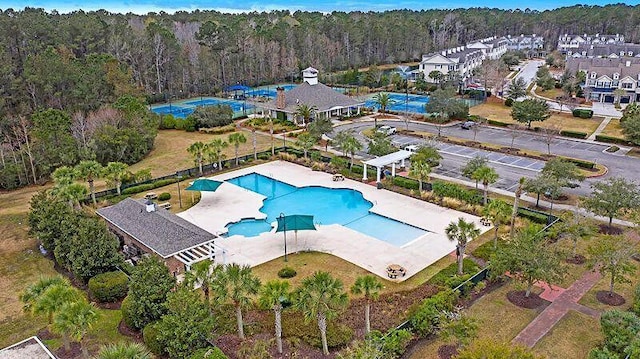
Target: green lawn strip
[[572, 337], [625, 290]]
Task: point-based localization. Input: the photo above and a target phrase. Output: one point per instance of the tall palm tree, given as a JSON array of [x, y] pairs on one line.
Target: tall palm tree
[[54, 298], [197, 150], [383, 100], [214, 152], [321, 297], [115, 172], [33, 292], [487, 175], [73, 193], [420, 171], [64, 176], [201, 274], [369, 286], [499, 213], [124, 350], [305, 112], [73, 321], [461, 232], [272, 295], [236, 139], [516, 200], [351, 145], [306, 141], [237, 284], [89, 171]]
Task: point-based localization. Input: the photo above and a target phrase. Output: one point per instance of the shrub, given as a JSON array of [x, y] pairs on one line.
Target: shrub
[[109, 286], [508, 102], [533, 216], [125, 308], [148, 186], [427, 317], [405, 182], [294, 325], [218, 130], [339, 162], [357, 169], [611, 139], [287, 272], [573, 134], [208, 353], [485, 251], [636, 301], [452, 190], [164, 196], [447, 277], [150, 338], [580, 163], [582, 113], [168, 122]]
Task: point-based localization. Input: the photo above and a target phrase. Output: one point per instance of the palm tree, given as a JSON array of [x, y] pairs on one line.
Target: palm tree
[[73, 193], [236, 139], [499, 213], [516, 199], [89, 170], [32, 293], [124, 350], [236, 283], [420, 171], [306, 141], [73, 321], [486, 175], [54, 298], [461, 232], [64, 176], [351, 145], [383, 100], [114, 172], [201, 274], [369, 286], [305, 112], [197, 150], [321, 297], [214, 152], [272, 295]]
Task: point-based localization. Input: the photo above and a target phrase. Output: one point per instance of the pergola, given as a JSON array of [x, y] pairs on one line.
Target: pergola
[[390, 159], [200, 252]]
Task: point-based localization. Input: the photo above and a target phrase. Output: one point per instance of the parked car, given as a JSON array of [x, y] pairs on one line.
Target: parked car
[[467, 125], [412, 148], [387, 130]]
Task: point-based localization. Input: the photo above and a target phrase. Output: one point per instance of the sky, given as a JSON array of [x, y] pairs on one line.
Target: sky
[[235, 6]]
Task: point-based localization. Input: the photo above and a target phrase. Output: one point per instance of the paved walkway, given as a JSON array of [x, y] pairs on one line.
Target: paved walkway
[[566, 301], [600, 128]]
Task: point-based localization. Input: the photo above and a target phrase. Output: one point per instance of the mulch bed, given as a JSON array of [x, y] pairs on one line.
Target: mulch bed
[[447, 351], [126, 331], [468, 300], [74, 352], [577, 259], [604, 297], [517, 297], [230, 344], [45, 334], [606, 229]]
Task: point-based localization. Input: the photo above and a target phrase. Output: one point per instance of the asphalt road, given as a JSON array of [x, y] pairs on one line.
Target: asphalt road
[[622, 166]]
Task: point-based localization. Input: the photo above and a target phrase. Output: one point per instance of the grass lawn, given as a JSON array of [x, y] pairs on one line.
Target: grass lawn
[[613, 129], [626, 290], [572, 337], [189, 198], [502, 113]]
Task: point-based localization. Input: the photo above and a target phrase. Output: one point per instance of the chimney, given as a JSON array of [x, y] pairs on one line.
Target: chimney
[[280, 100], [444, 53], [150, 206], [310, 76], [627, 63]]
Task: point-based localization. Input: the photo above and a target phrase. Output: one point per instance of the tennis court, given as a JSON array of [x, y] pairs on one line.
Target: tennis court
[[182, 109]]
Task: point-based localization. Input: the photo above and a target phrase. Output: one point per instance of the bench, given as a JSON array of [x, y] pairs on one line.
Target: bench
[[151, 195], [165, 205], [485, 221]]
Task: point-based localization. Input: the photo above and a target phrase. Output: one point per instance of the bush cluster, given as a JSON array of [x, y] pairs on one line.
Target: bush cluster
[[448, 278], [582, 113], [533, 216], [294, 325], [573, 134], [148, 186], [150, 337], [164, 196], [508, 102], [426, 318], [611, 139], [287, 272], [208, 353], [580, 163], [405, 182], [498, 123], [109, 286], [452, 190]]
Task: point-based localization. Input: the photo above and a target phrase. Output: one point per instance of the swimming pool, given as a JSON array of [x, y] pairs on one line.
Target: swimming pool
[[346, 207]]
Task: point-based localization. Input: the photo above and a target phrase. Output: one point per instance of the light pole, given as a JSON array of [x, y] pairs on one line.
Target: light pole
[[179, 193], [284, 227]]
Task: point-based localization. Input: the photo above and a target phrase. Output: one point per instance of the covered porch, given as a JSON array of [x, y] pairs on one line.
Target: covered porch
[[380, 162]]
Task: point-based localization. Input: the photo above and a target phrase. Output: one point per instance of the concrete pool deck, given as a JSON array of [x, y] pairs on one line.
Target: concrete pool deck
[[231, 203]]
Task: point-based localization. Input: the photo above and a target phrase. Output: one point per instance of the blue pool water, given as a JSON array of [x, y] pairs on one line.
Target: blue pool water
[[346, 207]]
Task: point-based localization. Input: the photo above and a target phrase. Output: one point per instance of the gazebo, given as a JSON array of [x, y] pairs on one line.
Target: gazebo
[[390, 159]]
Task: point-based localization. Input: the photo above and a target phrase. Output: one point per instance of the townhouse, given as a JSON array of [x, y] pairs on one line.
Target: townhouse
[[568, 42], [606, 75]]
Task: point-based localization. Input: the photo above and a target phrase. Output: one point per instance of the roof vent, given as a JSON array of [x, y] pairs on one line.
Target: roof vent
[[627, 63]]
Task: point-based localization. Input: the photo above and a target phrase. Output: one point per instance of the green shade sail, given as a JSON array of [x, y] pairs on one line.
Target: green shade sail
[[204, 185], [295, 222]]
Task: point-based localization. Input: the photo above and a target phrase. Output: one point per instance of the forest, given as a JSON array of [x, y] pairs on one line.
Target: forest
[[81, 63]]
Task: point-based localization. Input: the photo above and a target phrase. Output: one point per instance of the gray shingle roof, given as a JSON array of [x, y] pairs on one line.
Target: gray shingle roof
[[161, 231], [606, 66], [319, 95], [604, 50]]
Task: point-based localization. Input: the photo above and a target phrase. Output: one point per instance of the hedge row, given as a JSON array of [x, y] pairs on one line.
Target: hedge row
[[405, 182], [533, 216], [109, 286], [448, 278], [148, 186], [582, 113], [573, 134], [611, 139], [452, 190], [580, 163], [498, 123]]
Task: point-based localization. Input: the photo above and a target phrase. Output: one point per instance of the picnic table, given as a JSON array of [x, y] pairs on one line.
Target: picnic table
[[338, 177], [151, 195], [165, 205], [394, 270]]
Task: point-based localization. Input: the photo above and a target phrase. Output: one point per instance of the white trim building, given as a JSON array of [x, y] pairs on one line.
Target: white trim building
[[567, 42], [605, 75]]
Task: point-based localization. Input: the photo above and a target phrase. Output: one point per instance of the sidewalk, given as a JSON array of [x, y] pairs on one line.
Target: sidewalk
[[600, 128]]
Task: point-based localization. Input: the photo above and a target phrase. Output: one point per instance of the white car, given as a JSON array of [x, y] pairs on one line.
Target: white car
[[387, 130], [412, 148]]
